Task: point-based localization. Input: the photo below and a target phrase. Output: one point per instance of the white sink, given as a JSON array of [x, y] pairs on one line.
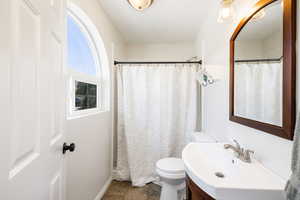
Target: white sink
[[241, 181]]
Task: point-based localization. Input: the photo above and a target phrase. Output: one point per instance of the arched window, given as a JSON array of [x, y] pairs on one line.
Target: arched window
[[86, 65], [80, 49]]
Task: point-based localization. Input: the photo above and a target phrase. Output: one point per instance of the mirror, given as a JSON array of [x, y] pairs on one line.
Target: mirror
[[258, 67], [262, 81]]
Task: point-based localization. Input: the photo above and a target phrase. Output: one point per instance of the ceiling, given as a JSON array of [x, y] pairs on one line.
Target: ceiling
[[165, 21]]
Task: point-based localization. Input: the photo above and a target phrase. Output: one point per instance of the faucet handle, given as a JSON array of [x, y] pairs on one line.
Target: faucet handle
[[248, 156], [237, 144]]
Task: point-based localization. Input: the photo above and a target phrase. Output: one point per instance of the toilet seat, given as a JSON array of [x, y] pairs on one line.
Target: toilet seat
[[172, 168]]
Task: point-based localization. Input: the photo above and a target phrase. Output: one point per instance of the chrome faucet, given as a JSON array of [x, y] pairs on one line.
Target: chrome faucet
[[240, 153]]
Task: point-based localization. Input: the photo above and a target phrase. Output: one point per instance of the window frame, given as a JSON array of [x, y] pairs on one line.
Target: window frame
[[85, 112], [86, 95], [102, 77]]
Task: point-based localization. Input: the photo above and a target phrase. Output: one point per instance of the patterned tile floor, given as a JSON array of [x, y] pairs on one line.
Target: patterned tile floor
[[124, 191]]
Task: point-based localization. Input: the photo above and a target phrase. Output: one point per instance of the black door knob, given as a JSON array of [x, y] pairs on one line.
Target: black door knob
[[70, 147]]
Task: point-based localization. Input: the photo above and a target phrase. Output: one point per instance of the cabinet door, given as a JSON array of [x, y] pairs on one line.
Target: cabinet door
[[194, 192]]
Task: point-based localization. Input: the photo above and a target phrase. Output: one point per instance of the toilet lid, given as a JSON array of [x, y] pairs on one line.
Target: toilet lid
[[171, 165]]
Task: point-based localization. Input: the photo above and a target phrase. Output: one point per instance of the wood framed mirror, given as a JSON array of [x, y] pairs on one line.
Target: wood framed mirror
[[263, 68]]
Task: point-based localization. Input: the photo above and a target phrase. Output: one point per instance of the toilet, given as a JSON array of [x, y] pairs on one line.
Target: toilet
[[172, 177]]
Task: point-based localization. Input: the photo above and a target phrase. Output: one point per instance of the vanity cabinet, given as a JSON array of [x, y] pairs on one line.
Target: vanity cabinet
[[193, 192]]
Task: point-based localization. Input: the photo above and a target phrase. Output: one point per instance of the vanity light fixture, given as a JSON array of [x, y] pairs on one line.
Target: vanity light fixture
[[227, 11], [140, 4]]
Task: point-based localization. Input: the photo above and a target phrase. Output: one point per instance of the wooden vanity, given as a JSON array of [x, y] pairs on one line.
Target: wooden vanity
[[193, 192]]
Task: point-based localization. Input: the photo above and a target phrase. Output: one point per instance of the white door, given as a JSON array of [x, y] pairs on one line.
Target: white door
[[32, 100]]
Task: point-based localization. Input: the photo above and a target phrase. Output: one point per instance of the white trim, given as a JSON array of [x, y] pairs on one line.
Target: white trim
[[113, 109], [104, 189]]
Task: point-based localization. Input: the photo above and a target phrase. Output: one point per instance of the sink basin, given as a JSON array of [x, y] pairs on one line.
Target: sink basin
[[224, 177]]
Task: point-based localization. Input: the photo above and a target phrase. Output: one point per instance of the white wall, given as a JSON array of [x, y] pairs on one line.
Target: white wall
[[90, 166], [249, 49], [273, 152], [260, 48], [160, 52], [272, 43]]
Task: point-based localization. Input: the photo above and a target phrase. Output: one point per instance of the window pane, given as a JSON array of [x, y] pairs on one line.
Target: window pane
[[92, 102], [85, 96], [92, 90], [81, 88], [80, 102], [80, 56]]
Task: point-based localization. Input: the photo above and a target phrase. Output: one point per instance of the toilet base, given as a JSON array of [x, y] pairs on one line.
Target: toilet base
[[172, 192], [168, 192], [172, 177]]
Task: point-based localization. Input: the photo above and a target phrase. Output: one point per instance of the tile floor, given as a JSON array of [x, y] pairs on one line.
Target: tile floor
[[124, 191]]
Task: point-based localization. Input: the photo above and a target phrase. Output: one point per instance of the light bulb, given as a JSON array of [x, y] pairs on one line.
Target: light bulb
[[227, 11]]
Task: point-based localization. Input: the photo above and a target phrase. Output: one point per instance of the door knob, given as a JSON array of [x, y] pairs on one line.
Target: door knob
[[70, 147]]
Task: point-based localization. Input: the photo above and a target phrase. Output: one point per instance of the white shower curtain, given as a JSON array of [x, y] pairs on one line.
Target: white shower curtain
[[258, 91], [156, 114]]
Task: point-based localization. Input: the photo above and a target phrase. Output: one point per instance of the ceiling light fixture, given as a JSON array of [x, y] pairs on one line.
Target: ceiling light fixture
[[140, 4], [227, 11]]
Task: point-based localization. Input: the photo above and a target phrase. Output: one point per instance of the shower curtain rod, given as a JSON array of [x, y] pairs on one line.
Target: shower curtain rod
[[166, 62], [260, 60]]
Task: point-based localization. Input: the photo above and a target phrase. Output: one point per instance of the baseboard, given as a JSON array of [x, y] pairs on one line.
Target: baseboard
[[104, 189]]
